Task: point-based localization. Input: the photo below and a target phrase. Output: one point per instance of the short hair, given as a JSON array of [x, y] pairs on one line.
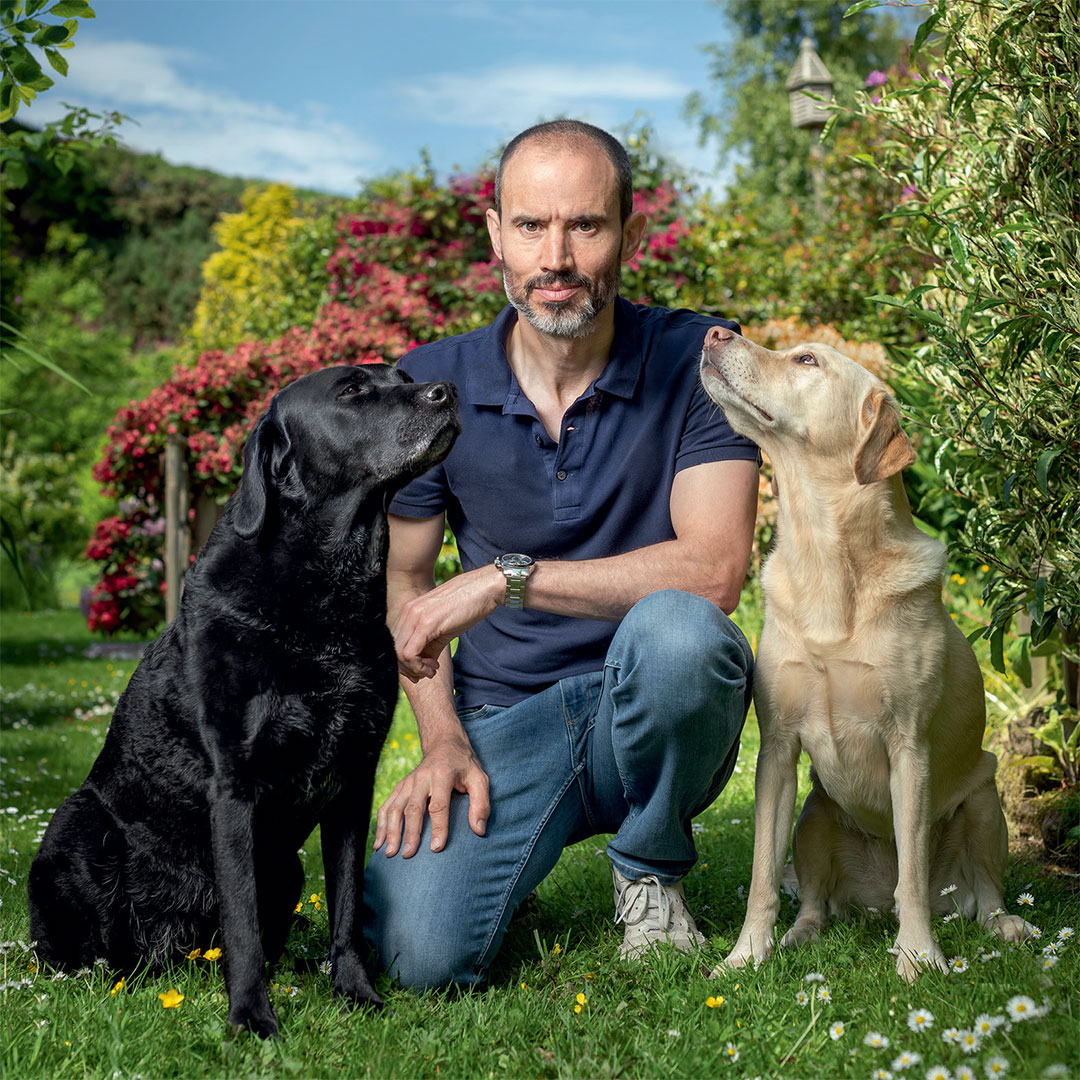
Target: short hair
[[573, 133]]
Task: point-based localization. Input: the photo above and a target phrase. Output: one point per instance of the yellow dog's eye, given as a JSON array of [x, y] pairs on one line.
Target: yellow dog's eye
[[807, 358]]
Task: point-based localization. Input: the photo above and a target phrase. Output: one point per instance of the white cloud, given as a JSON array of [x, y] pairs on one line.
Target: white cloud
[[189, 124], [506, 94]]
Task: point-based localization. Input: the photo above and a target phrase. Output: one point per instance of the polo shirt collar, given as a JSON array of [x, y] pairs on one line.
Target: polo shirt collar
[[491, 382]]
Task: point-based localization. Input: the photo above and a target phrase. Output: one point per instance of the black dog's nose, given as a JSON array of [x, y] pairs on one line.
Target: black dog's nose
[[440, 393]]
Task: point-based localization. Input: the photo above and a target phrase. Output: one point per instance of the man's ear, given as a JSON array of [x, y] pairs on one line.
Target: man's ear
[[494, 228], [632, 234], [883, 448], [265, 452]]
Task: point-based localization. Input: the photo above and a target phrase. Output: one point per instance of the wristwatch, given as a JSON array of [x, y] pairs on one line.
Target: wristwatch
[[517, 569]]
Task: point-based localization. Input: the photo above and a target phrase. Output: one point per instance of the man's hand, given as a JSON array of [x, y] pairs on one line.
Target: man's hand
[[427, 623], [448, 767]]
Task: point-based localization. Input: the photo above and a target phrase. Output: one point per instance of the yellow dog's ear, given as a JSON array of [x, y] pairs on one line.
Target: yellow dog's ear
[[883, 448]]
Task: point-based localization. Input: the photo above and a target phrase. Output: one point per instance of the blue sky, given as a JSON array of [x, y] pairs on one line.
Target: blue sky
[[324, 93]]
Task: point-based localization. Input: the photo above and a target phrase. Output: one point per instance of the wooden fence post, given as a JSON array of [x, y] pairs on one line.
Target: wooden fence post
[[177, 529]]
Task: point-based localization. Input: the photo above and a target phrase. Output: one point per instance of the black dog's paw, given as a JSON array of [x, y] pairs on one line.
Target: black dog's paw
[[352, 985], [258, 1017]]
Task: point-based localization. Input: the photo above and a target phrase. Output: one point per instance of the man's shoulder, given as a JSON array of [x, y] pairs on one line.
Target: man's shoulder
[[655, 320], [447, 354]]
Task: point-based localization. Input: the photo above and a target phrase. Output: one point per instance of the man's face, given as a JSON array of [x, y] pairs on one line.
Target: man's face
[[559, 236]]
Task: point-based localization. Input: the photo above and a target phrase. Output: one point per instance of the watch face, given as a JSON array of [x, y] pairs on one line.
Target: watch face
[[515, 562]]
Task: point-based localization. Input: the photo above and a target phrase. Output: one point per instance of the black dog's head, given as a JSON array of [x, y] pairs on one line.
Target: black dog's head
[[360, 432]]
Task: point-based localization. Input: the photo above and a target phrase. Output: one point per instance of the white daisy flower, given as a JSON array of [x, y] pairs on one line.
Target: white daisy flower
[[876, 1040], [1065, 933], [952, 915], [948, 889], [824, 994], [950, 1035], [731, 1052], [1025, 899], [986, 956], [997, 911], [969, 1041], [906, 1059], [1051, 948], [985, 1024], [836, 1031], [881, 1074], [996, 1066], [1055, 1070], [921, 1019], [958, 965], [802, 997], [964, 1072], [938, 1072], [1034, 932], [1020, 1007], [1049, 961], [814, 976]]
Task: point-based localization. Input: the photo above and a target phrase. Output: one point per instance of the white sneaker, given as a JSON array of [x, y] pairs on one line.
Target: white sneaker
[[654, 914]]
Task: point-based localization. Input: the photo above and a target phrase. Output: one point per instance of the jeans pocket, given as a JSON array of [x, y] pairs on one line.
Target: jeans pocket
[[478, 712]]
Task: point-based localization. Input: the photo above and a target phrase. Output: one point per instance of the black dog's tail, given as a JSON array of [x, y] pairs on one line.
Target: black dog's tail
[[74, 884]]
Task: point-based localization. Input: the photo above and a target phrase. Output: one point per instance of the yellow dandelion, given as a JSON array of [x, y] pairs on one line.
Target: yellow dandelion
[[171, 999], [316, 901], [194, 954], [714, 1002], [299, 907], [556, 950], [577, 1008], [582, 999], [212, 955], [118, 987]]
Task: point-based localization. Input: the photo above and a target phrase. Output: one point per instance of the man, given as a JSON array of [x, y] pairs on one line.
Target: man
[[604, 512]]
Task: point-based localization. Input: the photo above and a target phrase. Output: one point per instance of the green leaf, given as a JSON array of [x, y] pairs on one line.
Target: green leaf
[[51, 35], [65, 9], [1022, 663], [15, 175], [923, 33], [958, 247], [997, 649], [21, 346], [862, 5], [1042, 468], [59, 64]]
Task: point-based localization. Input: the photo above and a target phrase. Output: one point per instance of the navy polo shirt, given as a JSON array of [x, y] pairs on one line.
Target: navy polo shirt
[[602, 489]]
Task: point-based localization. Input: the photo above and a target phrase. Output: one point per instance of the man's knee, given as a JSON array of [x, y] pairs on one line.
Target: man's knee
[[685, 640]]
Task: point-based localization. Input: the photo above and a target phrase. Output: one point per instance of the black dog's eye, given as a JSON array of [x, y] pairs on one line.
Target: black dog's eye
[[351, 390], [808, 359]]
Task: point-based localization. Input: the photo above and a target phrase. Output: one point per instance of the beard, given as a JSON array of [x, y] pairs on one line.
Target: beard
[[570, 318]]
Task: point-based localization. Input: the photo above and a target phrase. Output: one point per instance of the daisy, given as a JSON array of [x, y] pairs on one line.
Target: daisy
[[969, 1041], [906, 1060], [938, 1072], [952, 915], [996, 1066], [1020, 1007], [836, 1031], [1051, 949], [731, 1053], [876, 1040], [921, 1019], [802, 997], [950, 1035], [964, 1072], [1049, 961], [1065, 933], [958, 965], [1025, 899], [824, 994], [948, 889], [881, 1074], [326, 967], [995, 955], [814, 976]]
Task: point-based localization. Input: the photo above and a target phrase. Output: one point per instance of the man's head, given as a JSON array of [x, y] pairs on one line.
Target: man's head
[[563, 223]]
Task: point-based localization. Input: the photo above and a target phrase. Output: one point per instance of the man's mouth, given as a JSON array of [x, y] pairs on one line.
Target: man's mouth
[[555, 291]]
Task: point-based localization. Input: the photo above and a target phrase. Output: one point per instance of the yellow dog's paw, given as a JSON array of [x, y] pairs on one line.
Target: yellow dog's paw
[[799, 934], [911, 961], [1010, 927]]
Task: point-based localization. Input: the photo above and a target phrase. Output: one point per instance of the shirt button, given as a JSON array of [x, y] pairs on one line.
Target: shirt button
[[539, 441], [561, 474]]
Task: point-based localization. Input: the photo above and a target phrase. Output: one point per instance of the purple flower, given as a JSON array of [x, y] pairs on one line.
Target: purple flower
[[909, 192], [877, 78]]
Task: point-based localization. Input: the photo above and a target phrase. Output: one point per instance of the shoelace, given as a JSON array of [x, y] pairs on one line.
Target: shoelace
[[632, 905]]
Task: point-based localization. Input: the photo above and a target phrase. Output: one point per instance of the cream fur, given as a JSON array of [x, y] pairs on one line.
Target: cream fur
[[860, 666]]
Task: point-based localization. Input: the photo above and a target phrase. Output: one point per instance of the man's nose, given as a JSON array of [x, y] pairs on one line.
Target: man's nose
[[557, 254]]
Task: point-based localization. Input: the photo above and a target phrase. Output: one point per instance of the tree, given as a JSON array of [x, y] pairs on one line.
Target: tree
[[749, 116], [984, 140]]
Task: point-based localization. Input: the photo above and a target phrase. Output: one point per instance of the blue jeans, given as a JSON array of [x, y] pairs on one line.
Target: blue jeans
[[636, 749]]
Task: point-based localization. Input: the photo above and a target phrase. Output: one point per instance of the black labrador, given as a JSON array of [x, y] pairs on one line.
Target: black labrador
[[258, 714]]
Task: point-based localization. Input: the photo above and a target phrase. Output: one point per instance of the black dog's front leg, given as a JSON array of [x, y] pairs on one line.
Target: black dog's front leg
[[344, 836], [231, 822]]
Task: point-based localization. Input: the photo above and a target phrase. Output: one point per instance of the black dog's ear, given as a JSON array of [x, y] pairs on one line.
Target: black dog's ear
[[264, 453]]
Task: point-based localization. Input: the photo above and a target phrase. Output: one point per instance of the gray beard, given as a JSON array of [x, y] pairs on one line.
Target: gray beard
[[566, 322]]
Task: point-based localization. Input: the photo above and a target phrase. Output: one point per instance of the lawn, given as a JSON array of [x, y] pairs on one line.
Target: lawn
[[558, 1004]]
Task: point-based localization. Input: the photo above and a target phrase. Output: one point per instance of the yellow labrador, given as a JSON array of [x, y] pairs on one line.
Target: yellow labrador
[[859, 665]]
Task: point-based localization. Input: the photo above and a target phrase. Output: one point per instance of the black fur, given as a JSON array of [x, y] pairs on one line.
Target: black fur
[[258, 714]]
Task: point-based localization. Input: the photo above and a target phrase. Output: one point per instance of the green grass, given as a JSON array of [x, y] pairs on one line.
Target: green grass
[[638, 1021]]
